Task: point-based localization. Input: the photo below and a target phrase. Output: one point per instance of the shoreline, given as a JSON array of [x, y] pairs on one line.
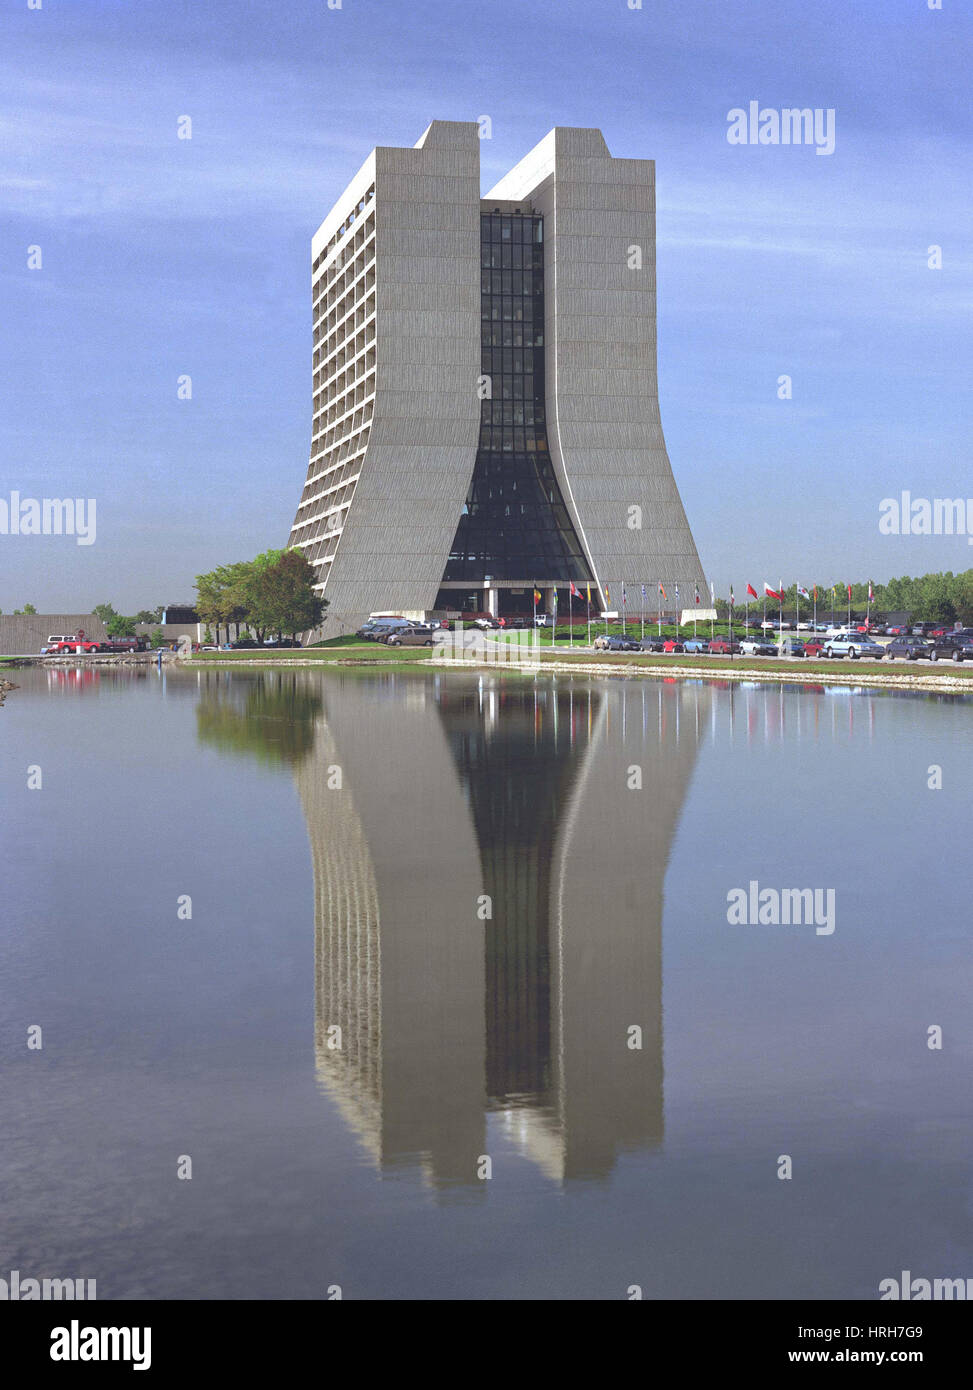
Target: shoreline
[[948, 683]]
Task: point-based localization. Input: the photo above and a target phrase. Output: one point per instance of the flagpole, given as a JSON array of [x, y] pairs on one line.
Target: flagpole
[[797, 604], [642, 615], [570, 613], [588, 609]]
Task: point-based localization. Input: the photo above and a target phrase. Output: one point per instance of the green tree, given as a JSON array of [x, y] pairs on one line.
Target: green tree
[[158, 638], [104, 612], [280, 595], [149, 615], [120, 626]]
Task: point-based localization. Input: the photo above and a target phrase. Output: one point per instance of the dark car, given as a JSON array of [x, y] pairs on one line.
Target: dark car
[[652, 644], [243, 642], [951, 649], [724, 646], [281, 642], [620, 644], [908, 648], [792, 646]]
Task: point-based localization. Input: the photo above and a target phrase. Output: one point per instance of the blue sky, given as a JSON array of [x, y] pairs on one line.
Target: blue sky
[[163, 257]]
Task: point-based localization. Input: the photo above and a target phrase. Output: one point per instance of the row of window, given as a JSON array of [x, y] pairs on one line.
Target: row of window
[[512, 441], [512, 334], [502, 228], [507, 256], [512, 309], [527, 282], [512, 413]]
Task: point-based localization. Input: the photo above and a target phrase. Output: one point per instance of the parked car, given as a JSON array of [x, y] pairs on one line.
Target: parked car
[[384, 626], [367, 629], [653, 644], [422, 635], [544, 620], [724, 646], [617, 644], [81, 646], [814, 647], [281, 642], [696, 645], [758, 646], [792, 646], [908, 648], [897, 630], [854, 646], [124, 644], [951, 649], [673, 644]]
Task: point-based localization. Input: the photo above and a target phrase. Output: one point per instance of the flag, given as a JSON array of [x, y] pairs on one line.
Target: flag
[[643, 591], [662, 592], [815, 593], [802, 591], [732, 599], [871, 592], [554, 603], [696, 591], [574, 592], [623, 595], [677, 593], [588, 592], [833, 591], [751, 590], [849, 593], [712, 593], [774, 593], [537, 596], [608, 597]]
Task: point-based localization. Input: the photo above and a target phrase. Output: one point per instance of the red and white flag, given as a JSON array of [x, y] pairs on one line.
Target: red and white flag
[[774, 593]]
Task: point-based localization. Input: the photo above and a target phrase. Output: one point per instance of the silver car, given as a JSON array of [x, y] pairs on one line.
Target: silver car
[[854, 645]]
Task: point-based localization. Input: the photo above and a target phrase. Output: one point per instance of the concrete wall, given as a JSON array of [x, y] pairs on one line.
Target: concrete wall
[[422, 444], [24, 636], [604, 425]]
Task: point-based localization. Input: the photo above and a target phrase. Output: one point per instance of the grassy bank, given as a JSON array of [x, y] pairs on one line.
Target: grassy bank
[[353, 652]]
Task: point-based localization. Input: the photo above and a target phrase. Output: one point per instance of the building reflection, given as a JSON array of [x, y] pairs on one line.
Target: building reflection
[[488, 912]]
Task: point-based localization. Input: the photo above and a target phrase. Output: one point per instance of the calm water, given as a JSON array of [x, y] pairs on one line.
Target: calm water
[[472, 1028]]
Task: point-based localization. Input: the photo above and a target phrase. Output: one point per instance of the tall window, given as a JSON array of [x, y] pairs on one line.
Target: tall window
[[514, 523]]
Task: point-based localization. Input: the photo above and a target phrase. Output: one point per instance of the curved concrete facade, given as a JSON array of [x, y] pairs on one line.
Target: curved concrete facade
[[604, 425]]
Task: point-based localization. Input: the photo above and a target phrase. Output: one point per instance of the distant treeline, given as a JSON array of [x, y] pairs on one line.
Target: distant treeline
[[940, 597]]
